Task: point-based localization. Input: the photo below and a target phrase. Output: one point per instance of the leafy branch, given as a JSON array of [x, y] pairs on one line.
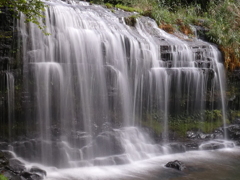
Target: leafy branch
[[32, 9]]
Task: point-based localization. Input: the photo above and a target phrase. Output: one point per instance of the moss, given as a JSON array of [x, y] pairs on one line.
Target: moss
[[154, 125], [206, 122], [203, 126], [131, 20], [2, 177]]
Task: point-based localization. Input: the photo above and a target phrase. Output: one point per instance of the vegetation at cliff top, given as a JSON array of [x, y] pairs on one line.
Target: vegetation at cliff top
[[219, 18]]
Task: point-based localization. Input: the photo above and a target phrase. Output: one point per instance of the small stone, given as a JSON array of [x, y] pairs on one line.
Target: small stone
[[178, 165]]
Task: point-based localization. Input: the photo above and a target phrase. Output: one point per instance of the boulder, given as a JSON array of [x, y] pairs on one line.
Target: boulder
[[38, 171], [216, 144], [107, 144], [233, 132], [30, 176], [16, 165], [212, 146], [178, 165]]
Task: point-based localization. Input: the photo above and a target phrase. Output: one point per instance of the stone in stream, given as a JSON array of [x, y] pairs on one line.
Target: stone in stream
[[38, 171], [178, 165]]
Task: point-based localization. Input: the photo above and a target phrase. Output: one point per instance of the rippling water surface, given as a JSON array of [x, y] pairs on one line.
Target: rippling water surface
[[206, 165]]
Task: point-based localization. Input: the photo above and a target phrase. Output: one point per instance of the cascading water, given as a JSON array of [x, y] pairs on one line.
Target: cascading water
[[10, 95], [94, 79]]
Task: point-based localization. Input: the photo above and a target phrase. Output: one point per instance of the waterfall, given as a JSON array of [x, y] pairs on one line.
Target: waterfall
[[94, 81], [10, 95]]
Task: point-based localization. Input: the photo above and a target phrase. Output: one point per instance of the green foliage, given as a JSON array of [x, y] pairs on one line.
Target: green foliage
[[204, 126], [2, 177], [112, 2], [108, 5], [213, 116], [155, 125], [234, 114], [207, 122], [220, 17], [32, 9], [126, 8], [224, 29]]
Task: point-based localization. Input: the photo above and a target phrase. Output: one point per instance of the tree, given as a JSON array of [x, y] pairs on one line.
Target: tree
[[31, 8]]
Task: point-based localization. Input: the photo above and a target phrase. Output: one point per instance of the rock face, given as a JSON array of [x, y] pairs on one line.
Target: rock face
[[233, 131], [15, 170], [217, 134], [107, 143], [178, 165]]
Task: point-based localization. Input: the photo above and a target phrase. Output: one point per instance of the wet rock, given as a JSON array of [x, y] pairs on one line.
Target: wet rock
[[212, 146], [8, 154], [30, 176], [106, 144], [218, 133], [192, 134], [176, 148], [81, 163], [205, 136], [26, 175], [216, 144], [3, 146], [55, 132], [236, 121], [106, 126], [14, 169], [131, 20], [3, 160], [192, 146], [178, 165], [121, 159], [79, 139], [233, 132], [16, 165], [103, 161], [38, 171]]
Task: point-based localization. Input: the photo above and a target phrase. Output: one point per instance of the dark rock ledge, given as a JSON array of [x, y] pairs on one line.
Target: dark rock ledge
[[15, 170]]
